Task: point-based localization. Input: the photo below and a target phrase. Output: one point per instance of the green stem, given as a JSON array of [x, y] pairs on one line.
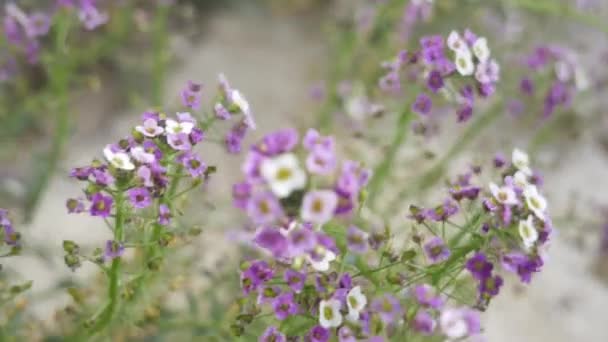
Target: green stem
[[59, 68], [382, 171], [105, 318]]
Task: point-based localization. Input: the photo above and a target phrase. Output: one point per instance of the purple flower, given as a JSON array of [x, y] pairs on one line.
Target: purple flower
[[102, 177], [193, 164], [418, 214], [144, 174], [90, 16], [139, 197], [443, 212], [257, 274], [272, 240], [38, 25], [425, 296], [526, 86], [113, 250], [151, 147], [499, 160], [264, 208], [318, 334], [179, 141], [470, 192], [488, 72], [356, 240], [486, 89], [164, 215], [479, 266], [196, 136], [522, 264], [272, 334], [313, 140], [295, 280], [233, 141], [424, 323], [390, 83], [436, 250], [81, 173], [423, 104], [318, 206], [301, 241], [345, 334], [388, 307], [278, 142], [241, 192], [191, 95], [267, 294], [321, 161], [285, 306], [490, 286], [464, 113], [221, 112], [469, 37], [101, 205], [435, 81]]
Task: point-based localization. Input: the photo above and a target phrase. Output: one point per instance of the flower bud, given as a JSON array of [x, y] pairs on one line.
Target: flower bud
[[70, 247], [72, 261]]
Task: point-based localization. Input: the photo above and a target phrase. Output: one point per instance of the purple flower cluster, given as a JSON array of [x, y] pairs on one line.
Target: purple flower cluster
[[274, 188], [24, 32], [567, 77], [438, 64], [138, 165], [142, 171]]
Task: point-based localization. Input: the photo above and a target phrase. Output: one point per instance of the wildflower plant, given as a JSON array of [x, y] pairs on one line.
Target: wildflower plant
[[329, 275], [136, 189]]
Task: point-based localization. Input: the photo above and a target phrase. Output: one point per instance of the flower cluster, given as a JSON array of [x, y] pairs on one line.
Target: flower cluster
[[557, 67], [457, 67], [331, 276], [274, 189], [145, 169], [509, 230], [24, 31]]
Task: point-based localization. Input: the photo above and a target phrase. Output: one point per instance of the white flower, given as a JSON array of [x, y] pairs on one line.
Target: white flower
[[520, 180], [503, 194], [322, 265], [535, 201], [119, 160], [239, 100], [464, 63], [521, 161], [140, 154], [453, 323], [329, 313], [528, 232], [318, 206], [356, 301], [457, 44], [283, 174], [175, 127], [150, 128], [481, 50]]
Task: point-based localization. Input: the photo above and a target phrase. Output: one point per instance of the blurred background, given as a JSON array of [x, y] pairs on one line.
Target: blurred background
[[287, 56]]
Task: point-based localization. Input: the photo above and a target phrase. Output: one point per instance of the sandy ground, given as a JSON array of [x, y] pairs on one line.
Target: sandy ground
[[274, 61]]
